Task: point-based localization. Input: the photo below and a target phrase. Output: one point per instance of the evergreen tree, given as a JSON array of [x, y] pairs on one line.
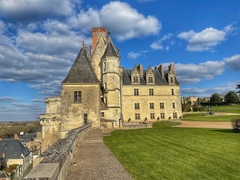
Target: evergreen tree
[[232, 97]]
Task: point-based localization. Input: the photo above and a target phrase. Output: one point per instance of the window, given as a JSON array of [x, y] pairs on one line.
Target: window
[[171, 79], [152, 116], [137, 116], [150, 79], [161, 105], [174, 115], [162, 115], [136, 93], [85, 118], [173, 105], [136, 106], [77, 96], [135, 79], [172, 91], [102, 113], [151, 105], [151, 92]]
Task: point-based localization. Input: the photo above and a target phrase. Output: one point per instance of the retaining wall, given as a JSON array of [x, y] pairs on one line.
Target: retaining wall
[[55, 161]]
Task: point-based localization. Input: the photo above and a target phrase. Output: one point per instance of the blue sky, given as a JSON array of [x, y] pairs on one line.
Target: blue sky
[[40, 39]]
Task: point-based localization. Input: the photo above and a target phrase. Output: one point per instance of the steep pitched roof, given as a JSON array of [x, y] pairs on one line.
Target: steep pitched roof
[[110, 50], [159, 80], [81, 70], [13, 148]]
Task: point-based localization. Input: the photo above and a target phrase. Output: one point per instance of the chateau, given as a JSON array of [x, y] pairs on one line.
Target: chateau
[[98, 90]]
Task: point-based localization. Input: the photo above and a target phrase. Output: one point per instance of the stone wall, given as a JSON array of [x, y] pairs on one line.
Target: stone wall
[[56, 160], [162, 94]]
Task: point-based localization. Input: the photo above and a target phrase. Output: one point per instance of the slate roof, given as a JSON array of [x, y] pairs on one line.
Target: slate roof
[[159, 80], [13, 148], [110, 50], [81, 70]]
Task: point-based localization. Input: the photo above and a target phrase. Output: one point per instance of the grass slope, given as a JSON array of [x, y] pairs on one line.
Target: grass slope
[[166, 152]]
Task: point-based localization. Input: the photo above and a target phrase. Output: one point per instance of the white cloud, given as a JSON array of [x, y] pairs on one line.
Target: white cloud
[[207, 92], [29, 9], [132, 55], [205, 40], [233, 62], [130, 23], [194, 73], [157, 45]]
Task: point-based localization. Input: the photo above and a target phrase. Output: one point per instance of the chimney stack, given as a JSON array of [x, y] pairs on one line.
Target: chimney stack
[[161, 70], [140, 69], [96, 34]]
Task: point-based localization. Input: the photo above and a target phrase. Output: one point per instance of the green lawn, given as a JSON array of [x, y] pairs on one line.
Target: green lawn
[[209, 118], [165, 152], [229, 109]]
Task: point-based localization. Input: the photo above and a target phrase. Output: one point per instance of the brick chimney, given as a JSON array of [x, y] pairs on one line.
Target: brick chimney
[[96, 33], [140, 69]]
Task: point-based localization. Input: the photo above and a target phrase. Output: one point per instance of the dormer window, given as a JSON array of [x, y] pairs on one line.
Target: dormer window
[[150, 79], [135, 79]]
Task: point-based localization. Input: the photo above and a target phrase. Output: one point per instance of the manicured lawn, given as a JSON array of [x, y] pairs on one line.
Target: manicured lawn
[[229, 109], [165, 152], [209, 118]]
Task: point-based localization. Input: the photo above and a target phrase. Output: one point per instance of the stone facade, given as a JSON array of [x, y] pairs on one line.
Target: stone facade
[[98, 90]]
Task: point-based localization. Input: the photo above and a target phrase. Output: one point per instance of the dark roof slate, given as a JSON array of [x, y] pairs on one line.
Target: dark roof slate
[[13, 148], [81, 70], [110, 50], [159, 80]]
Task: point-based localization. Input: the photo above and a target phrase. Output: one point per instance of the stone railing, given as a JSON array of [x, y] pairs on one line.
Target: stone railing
[[54, 162]]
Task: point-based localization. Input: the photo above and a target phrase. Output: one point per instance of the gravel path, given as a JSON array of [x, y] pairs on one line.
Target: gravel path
[[94, 161], [199, 124]]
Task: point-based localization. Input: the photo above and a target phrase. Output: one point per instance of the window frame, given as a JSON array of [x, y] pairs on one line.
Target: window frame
[[136, 106], [77, 96], [151, 105], [137, 116], [161, 105], [151, 92], [152, 115], [136, 92]]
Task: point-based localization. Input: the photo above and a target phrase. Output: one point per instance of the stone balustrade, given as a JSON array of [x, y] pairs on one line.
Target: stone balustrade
[[54, 162]]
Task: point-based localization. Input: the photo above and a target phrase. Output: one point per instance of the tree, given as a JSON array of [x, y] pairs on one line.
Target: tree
[[238, 87], [215, 99], [232, 97]]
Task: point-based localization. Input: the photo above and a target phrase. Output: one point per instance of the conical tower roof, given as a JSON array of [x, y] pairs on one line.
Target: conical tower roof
[[110, 50], [81, 70]]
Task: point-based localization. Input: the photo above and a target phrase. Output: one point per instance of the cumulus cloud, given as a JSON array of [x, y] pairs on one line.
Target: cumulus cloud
[[207, 92], [24, 10], [233, 62], [157, 45], [194, 73], [132, 55], [130, 23], [205, 40]]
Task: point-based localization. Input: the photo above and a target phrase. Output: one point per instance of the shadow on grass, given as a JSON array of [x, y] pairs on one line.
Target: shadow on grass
[[224, 130]]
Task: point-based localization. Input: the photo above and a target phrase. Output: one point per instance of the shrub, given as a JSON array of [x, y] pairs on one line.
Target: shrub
[[236, 125]]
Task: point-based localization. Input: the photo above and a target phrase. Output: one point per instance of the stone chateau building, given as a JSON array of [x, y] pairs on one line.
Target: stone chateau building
[[98, 90]]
